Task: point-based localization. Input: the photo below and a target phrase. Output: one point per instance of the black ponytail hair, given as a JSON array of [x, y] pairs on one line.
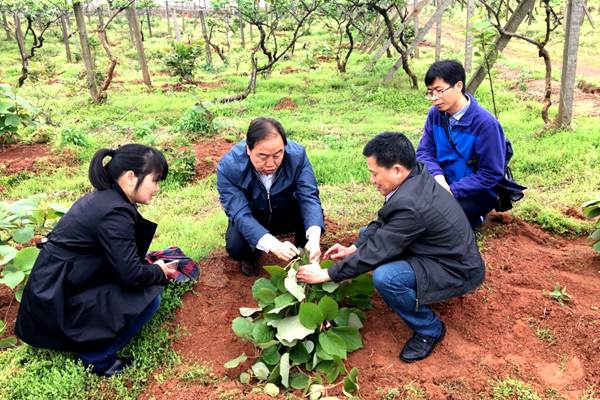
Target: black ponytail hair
[[142, 160]]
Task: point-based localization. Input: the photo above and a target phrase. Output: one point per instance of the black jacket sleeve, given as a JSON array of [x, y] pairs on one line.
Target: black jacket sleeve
[[116, 233], [385, 241]]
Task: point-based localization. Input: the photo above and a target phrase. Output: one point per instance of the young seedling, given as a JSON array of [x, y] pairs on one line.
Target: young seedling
[[560, 294]]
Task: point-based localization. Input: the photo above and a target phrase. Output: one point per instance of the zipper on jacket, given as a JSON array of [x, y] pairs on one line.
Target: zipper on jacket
[[269, 200]]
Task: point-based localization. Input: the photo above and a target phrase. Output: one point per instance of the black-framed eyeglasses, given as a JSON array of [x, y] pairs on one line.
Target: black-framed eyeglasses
[[430, 94]]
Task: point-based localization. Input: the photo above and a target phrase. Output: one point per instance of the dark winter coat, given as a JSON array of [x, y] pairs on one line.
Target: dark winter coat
[[243, 195], [90, 279], [422, 224]]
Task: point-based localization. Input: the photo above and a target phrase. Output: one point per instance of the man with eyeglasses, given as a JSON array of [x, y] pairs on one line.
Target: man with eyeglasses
[[463, 145]]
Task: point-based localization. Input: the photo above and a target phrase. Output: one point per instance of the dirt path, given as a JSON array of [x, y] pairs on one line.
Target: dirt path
[[493, 333]]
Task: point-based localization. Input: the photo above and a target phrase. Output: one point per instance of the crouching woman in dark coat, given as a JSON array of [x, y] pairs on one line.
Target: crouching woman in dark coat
[[91, 290]]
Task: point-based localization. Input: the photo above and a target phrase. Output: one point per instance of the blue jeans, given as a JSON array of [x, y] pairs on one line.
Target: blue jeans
[[396, 283], [103, 359]]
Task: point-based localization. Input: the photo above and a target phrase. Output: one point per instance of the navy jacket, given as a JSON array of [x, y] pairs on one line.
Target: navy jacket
[[422, 224], [90, 279], [243, 195], [477, 134]]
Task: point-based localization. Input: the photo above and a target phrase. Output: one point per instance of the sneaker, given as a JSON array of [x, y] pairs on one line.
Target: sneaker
[[250, 268], [420, 346]]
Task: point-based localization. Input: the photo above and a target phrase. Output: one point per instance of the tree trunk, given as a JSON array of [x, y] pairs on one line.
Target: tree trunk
[[384, 34], [175, 24], [6, 27], [100, 17], [437, 16], [438, 39], [469, 36], [22, 51], [569, 67], [416, 27], [205, 36], [148, 22], [548, 84], [86, 54], [134, 25], [65, 35], [512, 25], [242, 30], [168, 18]]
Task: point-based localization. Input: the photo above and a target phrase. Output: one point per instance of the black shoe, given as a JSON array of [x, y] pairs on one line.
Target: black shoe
[[116, 368], [420, 346], [249, 268]]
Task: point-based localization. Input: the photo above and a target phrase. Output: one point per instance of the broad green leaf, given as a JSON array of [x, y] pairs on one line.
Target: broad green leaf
[[596, 246], [2, 326], [19, 292], [6, 342], [242, 327], [23, 235], [298, 354], [12, 120], [12, 278], [275, 271], [271, 356], [58, 208], [261, 333], [332, 344], [331, 369], [245, 378], [268, 344], [309, 345], [290, 329], [265, 296], [595, 236], [271, 389], [282, 302], [310, 315], [322, 354], [351, 337], [25, 259], [248, 311], [284, 369], [361, 285], [330, 286], [351, 382], [7, 253], [236, 361], [260, 371], [262, 283], [354, 321], [274, 375], [328, 307], [291, 284], [315, 391], [299, 381], [326, 264]]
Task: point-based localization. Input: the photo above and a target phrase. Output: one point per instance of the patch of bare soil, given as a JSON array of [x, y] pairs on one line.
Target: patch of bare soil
[[8, 310], [290, 70], [285, 103], [33, 158], [208, 154], [508, 327]]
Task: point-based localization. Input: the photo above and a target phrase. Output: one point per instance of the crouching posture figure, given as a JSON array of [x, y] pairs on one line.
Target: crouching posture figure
[[421, 248], [91, 290]]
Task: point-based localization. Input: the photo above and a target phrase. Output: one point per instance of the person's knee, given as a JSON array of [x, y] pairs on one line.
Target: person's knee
[[236, 246], [393, 276], [381, 278]]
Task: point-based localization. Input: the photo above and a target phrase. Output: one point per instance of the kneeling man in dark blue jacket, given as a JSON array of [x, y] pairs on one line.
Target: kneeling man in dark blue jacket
[[421, 247], [267, 187]]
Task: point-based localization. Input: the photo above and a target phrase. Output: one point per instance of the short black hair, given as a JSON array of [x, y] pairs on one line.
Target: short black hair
[[261, 128], [451, 71], [390, 148]]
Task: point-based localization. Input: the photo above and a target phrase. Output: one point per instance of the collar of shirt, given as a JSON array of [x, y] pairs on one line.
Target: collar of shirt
[[456, 117], [387, 197], [267, 180]]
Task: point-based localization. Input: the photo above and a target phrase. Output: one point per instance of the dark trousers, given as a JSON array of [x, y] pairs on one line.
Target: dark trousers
[[103, 359], [284, 221], [477, 206]]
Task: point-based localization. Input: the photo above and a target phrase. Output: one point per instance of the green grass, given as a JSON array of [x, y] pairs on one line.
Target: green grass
[[335, 116]]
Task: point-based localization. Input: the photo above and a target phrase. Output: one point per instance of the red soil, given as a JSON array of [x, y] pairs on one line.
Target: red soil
[[285, 103], [491, 333], [8, 310], [208, 154], [32, 158]]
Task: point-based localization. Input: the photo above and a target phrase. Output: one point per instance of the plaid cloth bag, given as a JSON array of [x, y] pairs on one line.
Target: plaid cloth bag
[[187, 269]]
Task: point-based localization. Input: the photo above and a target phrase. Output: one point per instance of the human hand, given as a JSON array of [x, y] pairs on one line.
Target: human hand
[[339, 252], [169, 269], [285, 250], [312, 273], [441, 179], [314, 250]]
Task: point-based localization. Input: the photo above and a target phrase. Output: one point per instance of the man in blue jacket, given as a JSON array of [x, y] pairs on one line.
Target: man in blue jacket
[[463, 145], [267, 187]]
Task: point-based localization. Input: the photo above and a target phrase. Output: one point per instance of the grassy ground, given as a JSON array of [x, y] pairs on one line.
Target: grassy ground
[[335, 116]]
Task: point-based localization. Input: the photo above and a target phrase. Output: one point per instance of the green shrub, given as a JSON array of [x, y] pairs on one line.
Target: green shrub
[[14, 113], [198, 121], [181, 61], [591, 209], [72, 136], [182, 166]]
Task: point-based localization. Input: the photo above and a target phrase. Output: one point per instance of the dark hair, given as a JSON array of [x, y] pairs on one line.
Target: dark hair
[[390, 148], [140, 159], [451, 71], [261, 128]]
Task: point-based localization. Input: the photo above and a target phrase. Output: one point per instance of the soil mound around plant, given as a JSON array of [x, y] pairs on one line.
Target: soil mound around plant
[[17, 158], [208, 154], [285, 103], [507, 328]]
